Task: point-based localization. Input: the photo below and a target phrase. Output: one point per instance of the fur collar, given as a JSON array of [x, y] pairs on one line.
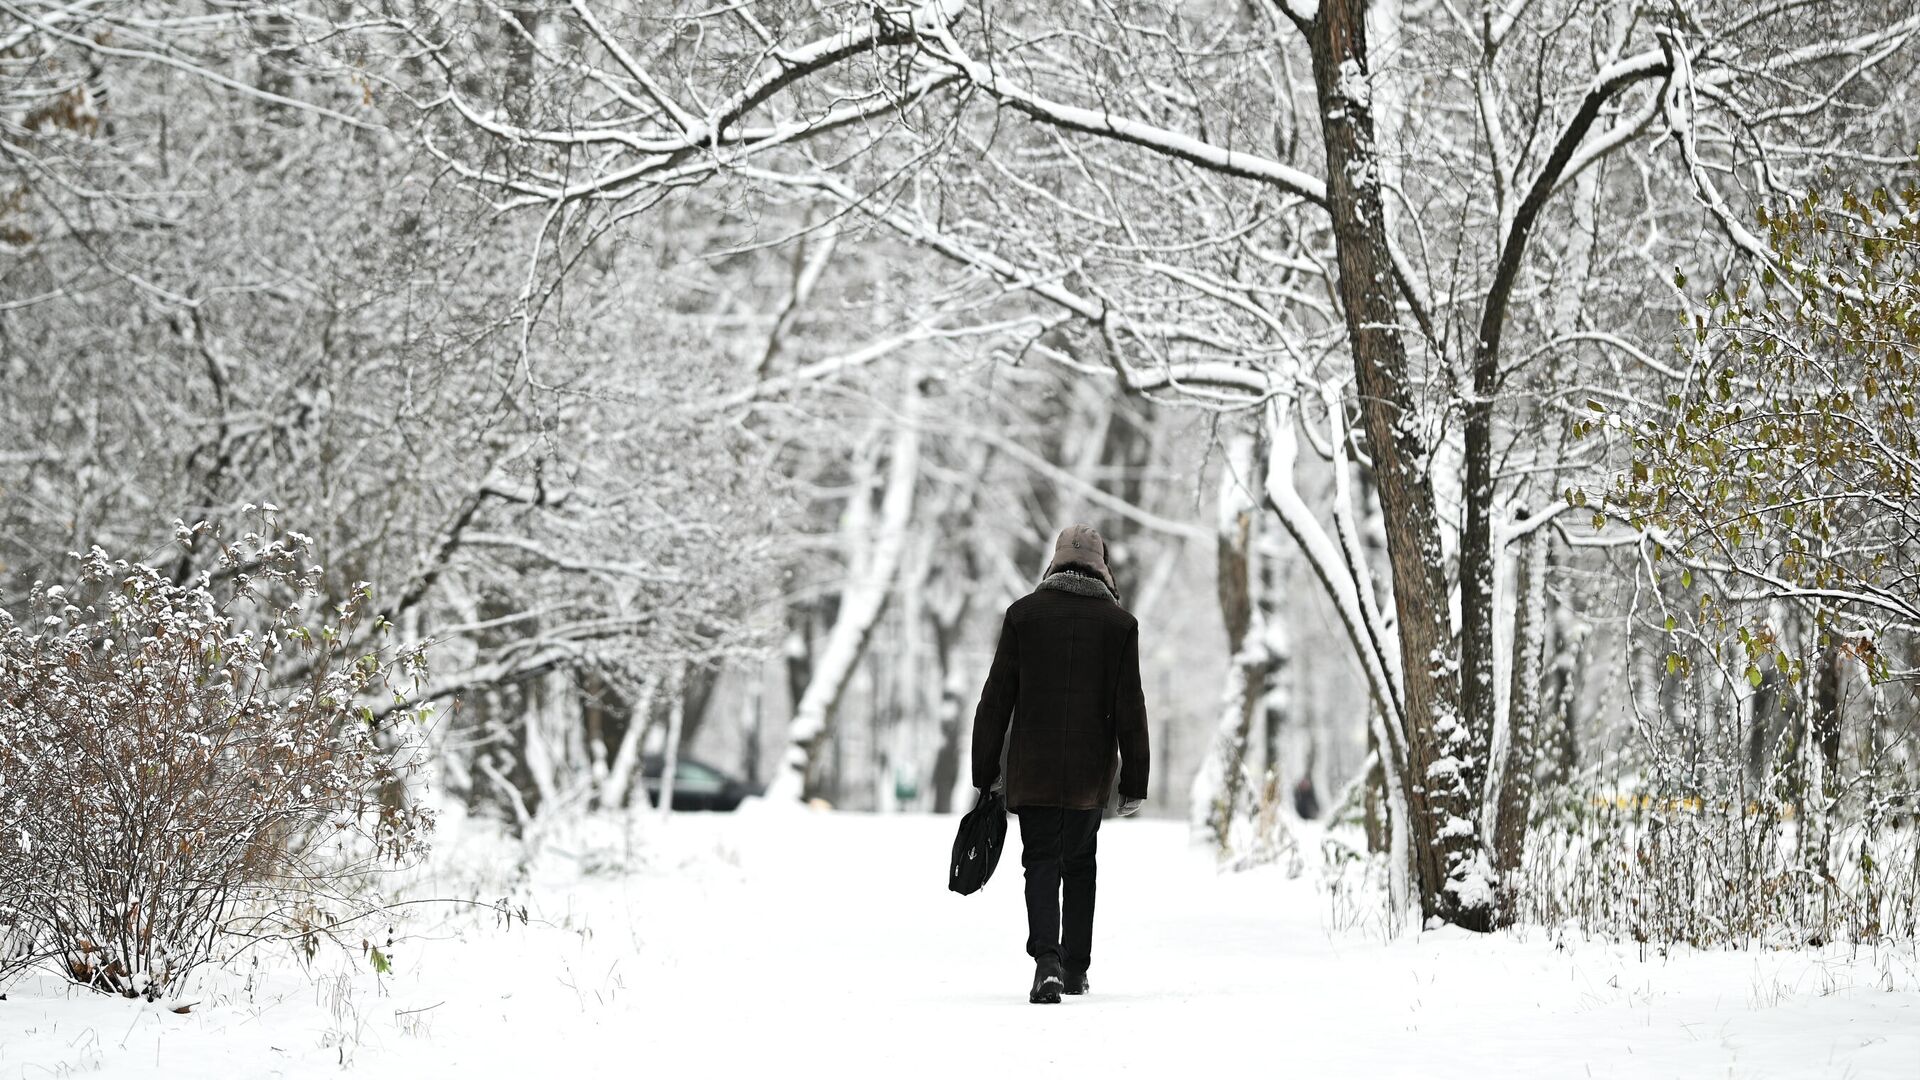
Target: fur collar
[[1068, 581]]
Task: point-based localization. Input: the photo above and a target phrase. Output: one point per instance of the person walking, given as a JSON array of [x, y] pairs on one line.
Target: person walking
[[1062, 703]]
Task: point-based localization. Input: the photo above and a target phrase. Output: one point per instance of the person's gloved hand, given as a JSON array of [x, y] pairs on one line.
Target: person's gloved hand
[[1128, 806]]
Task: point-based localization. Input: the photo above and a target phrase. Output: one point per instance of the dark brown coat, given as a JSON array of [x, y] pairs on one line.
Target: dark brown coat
[[1063, 697]]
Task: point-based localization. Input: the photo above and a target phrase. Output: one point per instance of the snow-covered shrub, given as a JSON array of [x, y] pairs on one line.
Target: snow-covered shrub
[[1721, 866], [187, 767]]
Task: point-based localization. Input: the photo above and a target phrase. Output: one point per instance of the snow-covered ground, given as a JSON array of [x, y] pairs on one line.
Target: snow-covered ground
[[818, 944]]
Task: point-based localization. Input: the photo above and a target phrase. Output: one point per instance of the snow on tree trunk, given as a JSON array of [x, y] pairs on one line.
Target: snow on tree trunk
[[1387, 717], [1510, 782], [861, 604], [1339, 578], [1505, 605], [1276, 708], [554, 744], [1373, 552], [1214, 800], [617, 785], [1441, 783]]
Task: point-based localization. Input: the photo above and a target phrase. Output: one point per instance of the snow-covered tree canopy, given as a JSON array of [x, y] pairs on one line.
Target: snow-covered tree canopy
[[1405, 211]]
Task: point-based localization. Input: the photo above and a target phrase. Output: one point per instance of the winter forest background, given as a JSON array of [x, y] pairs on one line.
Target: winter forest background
[[1502, 414]]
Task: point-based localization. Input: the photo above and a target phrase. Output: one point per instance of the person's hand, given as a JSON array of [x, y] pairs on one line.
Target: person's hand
[[1128, 806], [999, 784]]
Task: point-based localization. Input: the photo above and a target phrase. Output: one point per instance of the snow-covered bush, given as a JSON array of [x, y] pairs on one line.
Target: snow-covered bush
[[188, 767], [1712, 873]]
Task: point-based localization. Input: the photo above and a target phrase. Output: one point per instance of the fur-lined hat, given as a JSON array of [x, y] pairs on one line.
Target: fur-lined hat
[[1082, 546]]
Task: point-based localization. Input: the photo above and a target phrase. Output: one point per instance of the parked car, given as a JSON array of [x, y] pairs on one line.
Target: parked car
[[696, 785]]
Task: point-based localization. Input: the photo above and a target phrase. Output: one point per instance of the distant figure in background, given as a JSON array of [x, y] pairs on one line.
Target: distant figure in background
[[1066, 675], [1306, 801]]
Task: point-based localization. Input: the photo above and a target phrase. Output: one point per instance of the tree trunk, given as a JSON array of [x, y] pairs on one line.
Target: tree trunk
[[697, 685], [1373, 541], [615, 788], [1216, 796], [1826, 708], [1276, 707], [946, 761], [861, 603], [1515, 789], [1564, 678], [1443, 776], [954, 581], [1124, 456], [947, 616], [797, 651], [1373, 807], [1344, 572], [670, 753], [1766, 717]]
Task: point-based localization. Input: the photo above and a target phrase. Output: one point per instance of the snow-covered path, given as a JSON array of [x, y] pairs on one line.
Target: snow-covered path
[[824, 944]]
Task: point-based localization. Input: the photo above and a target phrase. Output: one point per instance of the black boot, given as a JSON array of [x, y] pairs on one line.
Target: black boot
[[1076, 983], [1047, 982]]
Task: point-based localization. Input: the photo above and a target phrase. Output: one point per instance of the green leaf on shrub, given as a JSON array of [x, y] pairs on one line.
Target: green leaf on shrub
[[381, 964]]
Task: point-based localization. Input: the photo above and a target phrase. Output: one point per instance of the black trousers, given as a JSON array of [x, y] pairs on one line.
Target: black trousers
[[1057, 849]]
